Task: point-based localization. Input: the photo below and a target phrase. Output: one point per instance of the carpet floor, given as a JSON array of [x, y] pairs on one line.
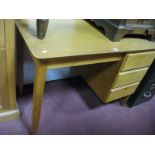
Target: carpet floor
[[71, 108]]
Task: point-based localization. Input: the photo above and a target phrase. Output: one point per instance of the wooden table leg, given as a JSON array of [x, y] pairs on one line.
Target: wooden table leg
[[124, 101], [20, 61], [38, 90]]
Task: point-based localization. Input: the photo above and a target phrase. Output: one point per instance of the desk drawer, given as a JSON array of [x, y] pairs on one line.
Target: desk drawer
[[137, 60], [128, 77], [2, 40], [122, 92]]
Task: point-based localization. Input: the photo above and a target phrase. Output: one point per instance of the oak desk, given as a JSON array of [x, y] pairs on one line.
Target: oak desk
[[77, 43]]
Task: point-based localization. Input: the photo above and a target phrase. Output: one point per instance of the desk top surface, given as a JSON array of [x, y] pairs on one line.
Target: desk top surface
[[65, 38]]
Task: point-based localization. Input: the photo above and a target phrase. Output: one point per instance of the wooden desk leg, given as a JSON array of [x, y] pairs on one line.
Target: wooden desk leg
[[124, 101], [38, 90], [20, 62]]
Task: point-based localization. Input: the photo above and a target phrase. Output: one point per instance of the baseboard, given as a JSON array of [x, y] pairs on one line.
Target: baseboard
[[9, 115]]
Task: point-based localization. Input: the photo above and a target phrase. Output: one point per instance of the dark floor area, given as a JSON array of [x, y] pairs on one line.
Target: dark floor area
[[70, 107]]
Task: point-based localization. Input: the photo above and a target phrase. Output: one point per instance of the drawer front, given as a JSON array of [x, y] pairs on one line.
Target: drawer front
[[138, 60], [128, 77], [122, 92], [2, 40]]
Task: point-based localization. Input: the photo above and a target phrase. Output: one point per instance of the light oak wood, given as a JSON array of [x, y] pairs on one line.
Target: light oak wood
[[10, 60], [3, 82], [2, 36], [39, 82], [4, 96], [65, 38], [80, 61], [1, 107], [138, 60], [128, 77], [100, 77], [9, 115], [8, 109], [122, 91]]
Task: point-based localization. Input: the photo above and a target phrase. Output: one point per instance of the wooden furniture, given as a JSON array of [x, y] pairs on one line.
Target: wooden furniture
[[116, 29], [106, 65], [119, 79], [8, 108]]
